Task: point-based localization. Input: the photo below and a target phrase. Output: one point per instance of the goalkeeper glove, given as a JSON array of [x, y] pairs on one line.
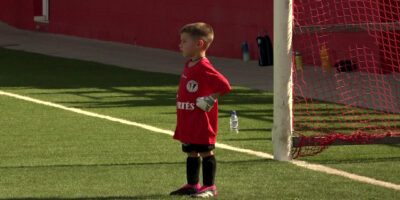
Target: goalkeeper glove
[[205, 103]]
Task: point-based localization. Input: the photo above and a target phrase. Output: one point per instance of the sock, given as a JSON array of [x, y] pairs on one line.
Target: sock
[[192, 170], [209, 170]]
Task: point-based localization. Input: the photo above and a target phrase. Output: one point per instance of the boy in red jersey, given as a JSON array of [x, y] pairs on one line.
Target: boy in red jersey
[[197, 109]]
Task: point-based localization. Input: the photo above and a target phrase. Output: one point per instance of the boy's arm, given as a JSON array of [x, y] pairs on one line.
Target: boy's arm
[[207, 103], [220, 85], [216, 95]]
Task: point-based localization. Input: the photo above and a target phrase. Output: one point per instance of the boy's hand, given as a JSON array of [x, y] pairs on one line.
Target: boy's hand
[[205, 103]]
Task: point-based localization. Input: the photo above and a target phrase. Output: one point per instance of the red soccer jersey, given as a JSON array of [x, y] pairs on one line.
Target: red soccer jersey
[[194, 125]]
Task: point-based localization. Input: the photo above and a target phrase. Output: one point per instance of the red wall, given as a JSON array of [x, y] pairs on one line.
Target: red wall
[[37, 7], [18, 13], [372, 49], [150, 23], [155, 23]]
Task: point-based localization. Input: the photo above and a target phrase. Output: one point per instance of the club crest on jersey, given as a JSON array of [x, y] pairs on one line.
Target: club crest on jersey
[[192, 86]]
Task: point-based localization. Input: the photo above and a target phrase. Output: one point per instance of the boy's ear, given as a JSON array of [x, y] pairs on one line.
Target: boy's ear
[[200, 43]]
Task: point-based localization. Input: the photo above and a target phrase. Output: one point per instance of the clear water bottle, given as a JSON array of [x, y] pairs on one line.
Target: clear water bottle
[[245, 51], [234, 122]]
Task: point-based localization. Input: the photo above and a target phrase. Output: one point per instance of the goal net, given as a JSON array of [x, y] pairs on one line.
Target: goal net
[[346, 73]]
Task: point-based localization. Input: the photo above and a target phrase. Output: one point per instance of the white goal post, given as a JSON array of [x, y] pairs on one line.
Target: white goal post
[[283, 114]]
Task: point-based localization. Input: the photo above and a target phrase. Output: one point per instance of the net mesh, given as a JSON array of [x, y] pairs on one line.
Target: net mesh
[[346, 77]]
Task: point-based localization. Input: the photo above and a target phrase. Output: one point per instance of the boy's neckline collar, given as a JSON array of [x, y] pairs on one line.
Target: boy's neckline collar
[[197, 61]]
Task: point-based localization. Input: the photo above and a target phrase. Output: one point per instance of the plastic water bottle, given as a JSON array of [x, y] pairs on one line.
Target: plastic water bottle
[[326, 65], [245, 52], [234, 122], [299, 61]]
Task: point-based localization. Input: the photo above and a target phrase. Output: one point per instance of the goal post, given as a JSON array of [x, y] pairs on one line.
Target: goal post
[[346, 89], [282, 123]]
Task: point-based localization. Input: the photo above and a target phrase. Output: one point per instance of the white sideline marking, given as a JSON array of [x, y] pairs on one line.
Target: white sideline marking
[[356, 177], [304, 164]]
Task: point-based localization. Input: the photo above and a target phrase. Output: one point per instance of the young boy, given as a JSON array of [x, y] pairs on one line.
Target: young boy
[[197, 110]]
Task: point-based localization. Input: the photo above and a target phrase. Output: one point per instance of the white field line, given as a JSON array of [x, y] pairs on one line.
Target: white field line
[[306, 165]]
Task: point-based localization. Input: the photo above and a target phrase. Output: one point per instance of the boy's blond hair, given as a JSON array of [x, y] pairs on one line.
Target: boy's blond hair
[[200, 30]]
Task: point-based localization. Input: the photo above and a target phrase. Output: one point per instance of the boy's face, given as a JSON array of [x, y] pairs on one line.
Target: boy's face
[[189, 46]]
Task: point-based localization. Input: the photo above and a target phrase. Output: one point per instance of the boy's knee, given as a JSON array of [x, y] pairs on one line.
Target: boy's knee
[[193, 154], [206, 154]]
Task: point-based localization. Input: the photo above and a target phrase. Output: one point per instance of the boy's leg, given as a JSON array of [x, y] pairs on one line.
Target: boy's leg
[[209, 168], [193, 168], [192, 172]]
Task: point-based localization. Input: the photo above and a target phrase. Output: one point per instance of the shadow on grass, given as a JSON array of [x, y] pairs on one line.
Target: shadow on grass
[[94, 165], [247, 139], [357, 161], [25, 69], [393, 145], [84, 84], [127, 164], [256, 129], [155, 196]]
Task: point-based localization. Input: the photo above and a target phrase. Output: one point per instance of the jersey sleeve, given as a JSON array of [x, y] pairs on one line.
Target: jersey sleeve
[[217, 82]]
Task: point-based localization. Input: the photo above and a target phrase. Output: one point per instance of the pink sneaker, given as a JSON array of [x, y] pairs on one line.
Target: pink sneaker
[[186, 190], [206, 192]]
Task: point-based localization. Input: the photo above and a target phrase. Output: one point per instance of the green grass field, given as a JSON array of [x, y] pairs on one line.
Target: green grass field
[[48, 153]]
